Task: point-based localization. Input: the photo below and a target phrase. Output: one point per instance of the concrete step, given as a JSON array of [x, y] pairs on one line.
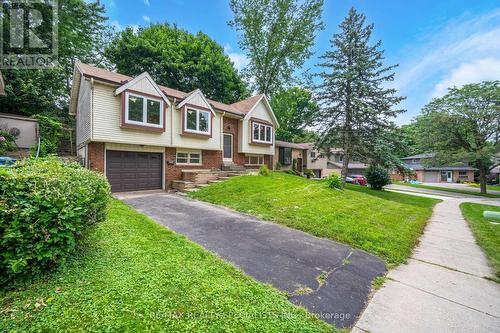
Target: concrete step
[[182, 185], [214, 181], [223, 178]]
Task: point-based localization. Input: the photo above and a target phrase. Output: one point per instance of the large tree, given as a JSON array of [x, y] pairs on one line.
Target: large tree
[[178, 59], [295, 110], [356, 106], [277, 36], [82, 32], [464, 126]]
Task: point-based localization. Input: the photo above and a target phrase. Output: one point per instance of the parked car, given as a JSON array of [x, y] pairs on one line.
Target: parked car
[[360, 178], [351, 180], [6, 161]]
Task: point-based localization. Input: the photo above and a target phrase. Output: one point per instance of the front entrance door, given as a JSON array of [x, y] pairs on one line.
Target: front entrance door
[[446, 176], [228, 147]]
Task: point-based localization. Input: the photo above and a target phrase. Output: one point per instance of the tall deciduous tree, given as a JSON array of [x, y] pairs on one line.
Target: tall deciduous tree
[[295, 110], [178, 59], [277, 36], [356, 107], [464, 126], [82, 32]]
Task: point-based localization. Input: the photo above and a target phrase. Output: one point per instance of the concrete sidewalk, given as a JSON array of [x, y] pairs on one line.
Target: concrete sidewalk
[[443, 288]]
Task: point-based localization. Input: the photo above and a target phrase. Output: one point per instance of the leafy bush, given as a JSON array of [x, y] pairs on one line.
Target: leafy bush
[[264, 170], [309, 173], [46, 207], [294, 165], [50, 135], [334, 181], [377, 177], [278, 166], [7, 143]]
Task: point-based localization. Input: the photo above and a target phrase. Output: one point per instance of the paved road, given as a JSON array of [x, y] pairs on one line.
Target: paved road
[[410, 189], [288, 259], [444, 286], [464, 187]]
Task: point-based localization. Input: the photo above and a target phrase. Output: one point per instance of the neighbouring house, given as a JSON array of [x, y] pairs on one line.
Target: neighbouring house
[[144, 136], [25, 131], [287, 152], [494, 176], [447, 174], [336, 159]]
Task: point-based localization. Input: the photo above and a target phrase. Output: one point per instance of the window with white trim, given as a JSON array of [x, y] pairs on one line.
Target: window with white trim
[[144, 111], [188, 157], [254, 159], [462, 174], [262, 133], [197, 121]]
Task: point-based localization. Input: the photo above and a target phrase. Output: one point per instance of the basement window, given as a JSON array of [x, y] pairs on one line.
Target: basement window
[[188, 157], [254, 159]]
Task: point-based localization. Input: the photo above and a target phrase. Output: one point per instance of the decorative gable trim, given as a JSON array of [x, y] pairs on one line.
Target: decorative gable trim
[[145, 75], [197, 92], [268, 107]]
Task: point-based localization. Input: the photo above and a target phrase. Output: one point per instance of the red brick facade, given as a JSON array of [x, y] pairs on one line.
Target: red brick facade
[[95, 156], [211, 159], [230, 126]]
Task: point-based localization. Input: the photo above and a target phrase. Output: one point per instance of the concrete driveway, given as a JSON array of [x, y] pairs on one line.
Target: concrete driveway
[[330, 279]]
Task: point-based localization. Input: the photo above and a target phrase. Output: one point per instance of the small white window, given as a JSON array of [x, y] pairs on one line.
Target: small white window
[[262, 133], [197, 121], [188, 157], [254, 159], [145, 111]]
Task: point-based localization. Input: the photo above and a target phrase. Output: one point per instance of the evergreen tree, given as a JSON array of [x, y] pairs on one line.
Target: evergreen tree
[[355, 106]]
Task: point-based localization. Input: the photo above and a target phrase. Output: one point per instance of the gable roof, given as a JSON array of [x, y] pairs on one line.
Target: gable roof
[[286, 144], [246, 106], [424, 155], [120, 79], [138, 78], [191, 95]]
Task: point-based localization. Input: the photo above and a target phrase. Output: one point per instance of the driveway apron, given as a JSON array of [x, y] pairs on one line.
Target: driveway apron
[[330, 279]]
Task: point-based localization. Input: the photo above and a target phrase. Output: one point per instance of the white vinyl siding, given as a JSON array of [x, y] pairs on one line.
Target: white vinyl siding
[[144, 111], [83, 129], [245, 132]]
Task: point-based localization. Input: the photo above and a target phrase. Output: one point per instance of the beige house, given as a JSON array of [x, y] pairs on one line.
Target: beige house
[[442, 174], [24, 129], [143, 136], [287, 152]]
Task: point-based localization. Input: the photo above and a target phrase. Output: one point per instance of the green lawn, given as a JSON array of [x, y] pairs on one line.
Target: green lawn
[[385, 223], [487, 234], [133, 275], [447, 189], [489, 187]]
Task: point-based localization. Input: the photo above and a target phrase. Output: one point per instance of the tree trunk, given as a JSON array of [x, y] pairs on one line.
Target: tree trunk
[[345, 163], [482, 179]]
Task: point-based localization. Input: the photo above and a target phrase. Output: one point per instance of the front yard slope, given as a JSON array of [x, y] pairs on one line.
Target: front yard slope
[[384, 223], [134, 275]]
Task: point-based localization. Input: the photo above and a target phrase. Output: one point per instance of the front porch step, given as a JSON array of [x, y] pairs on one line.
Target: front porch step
[[182, 185], [214, 181]]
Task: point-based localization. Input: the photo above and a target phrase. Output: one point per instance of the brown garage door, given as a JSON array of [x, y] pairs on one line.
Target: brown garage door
[[133, 171]]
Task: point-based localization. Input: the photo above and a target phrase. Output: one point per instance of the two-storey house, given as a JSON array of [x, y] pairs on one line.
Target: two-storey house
[[142, 135]]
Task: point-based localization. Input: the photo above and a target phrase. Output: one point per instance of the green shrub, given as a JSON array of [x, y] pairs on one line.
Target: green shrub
[[50, 135], [46, 206], [309, 173], [334, 181], [264, 170], [278, 166], [377, 177], [7, 143]]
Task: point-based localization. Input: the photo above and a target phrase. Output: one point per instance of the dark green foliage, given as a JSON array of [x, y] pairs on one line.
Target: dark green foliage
[[356, 106], [178, 59], [377, 177], [50, 135], [335, 181], [278, 36], [83, 32], [264, 170], [295, 110], [7, 143], [46, 206], [278, 166]]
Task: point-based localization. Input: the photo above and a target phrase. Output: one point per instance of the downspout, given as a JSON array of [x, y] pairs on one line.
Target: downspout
[[172, 121], [92, 109]]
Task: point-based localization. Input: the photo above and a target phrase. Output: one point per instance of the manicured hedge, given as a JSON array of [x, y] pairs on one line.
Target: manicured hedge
[[46, 205]]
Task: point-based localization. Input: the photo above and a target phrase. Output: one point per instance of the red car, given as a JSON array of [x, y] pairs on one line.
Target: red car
[[360, 178]]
